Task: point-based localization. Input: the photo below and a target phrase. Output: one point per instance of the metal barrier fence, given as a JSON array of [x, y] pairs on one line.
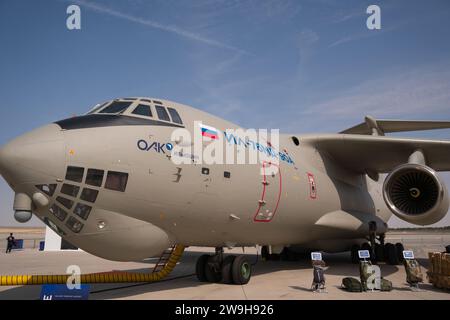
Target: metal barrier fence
[[424, 240]]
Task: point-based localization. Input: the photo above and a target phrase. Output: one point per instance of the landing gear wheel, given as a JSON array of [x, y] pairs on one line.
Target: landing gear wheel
[[354, 253], [366, 246], [227, 264], [274, 257], [200, 267], [241, 270], [392, 257], [265, 253], [400, 248], [212, 275], [379, 252]]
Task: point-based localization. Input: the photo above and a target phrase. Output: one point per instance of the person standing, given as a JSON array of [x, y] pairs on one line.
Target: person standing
[[11, 243]]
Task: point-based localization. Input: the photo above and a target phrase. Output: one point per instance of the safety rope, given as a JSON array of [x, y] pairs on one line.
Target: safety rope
[[110, 277]]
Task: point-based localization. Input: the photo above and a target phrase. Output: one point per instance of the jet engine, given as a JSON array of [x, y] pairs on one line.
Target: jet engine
[[416, 194]]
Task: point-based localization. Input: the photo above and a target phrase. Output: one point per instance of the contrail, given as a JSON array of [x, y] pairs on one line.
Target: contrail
[[156, 25]]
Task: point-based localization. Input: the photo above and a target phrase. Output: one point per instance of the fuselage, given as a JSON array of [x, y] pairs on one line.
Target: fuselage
[[115, 191]]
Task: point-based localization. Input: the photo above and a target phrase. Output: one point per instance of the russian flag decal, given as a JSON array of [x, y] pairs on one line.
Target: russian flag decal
[[209, 132]]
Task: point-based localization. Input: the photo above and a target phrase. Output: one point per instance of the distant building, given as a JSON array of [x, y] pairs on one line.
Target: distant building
[[53, 242]]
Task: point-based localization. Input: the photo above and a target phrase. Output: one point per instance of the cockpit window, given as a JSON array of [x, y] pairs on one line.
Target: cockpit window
[[143, 110], [175, 116], [97, 107], [116, 107], [162, 113]]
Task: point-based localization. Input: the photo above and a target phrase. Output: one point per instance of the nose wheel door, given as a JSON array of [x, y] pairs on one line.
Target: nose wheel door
[[270, 192]]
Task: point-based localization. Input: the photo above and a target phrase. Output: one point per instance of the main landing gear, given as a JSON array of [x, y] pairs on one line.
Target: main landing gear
[[379, 252], [217, 268], [390, 253]]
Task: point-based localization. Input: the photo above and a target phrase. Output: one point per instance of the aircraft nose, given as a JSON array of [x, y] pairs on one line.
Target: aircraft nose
[[33, 157]]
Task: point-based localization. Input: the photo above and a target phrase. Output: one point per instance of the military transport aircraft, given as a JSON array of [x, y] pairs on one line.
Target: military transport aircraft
[[106, 182]]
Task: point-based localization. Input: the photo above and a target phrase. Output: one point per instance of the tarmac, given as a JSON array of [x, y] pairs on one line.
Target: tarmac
[[271, 280]]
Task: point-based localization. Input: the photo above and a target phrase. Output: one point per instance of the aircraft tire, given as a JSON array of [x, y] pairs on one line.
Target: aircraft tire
[[212, 275], [241, 270], [379, 252], [400, 248], [227, 264], [392, 257], [200, 267], [275, 257], [265, 253], [354, 253]]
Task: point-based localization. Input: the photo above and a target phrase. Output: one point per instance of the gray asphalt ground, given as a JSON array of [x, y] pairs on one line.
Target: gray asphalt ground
[[270, 279]]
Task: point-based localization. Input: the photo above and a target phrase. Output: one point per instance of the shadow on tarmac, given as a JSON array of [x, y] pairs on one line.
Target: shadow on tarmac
[[184, 276]]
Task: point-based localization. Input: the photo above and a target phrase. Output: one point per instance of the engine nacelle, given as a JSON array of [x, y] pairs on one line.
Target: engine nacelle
[[416, 194]]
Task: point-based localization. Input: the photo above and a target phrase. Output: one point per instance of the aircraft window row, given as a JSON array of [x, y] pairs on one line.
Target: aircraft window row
[[48, 189], [116, 181], [116, 107], [162, 113], [58, 212], [65, 202], [74, 224], [95, 177], [70, 190], [89, 195], [143, 110], [75, 174], [119, 107]]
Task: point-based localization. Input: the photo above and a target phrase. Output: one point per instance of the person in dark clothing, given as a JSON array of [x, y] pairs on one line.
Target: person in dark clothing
[[11, 243]]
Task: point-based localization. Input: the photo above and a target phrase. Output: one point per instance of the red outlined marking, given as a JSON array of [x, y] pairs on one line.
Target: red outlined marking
[[266, 165], [312, 186]]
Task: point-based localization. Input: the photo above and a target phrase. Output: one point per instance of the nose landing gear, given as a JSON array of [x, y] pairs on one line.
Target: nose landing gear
[[229, 270]]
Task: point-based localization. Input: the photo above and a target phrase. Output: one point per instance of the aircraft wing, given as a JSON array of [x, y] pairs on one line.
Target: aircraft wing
[[363, 153], [381, 126]]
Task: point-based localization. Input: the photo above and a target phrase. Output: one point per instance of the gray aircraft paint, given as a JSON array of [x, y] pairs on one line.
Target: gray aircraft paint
[[165, 203]]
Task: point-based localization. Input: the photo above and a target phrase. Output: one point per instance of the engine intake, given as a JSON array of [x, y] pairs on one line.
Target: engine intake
[[415, 193]]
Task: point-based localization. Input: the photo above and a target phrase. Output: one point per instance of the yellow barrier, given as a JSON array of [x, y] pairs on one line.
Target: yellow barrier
[[112, 277]]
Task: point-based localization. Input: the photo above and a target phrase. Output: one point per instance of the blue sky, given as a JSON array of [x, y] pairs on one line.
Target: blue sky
[[300, 66]]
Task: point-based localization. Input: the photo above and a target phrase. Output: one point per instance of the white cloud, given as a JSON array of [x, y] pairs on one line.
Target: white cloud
[[362, 35], [156, 25], [409, 94], [306, 43]]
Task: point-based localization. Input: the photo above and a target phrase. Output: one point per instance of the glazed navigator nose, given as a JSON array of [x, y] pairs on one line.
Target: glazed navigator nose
[[37, 156]]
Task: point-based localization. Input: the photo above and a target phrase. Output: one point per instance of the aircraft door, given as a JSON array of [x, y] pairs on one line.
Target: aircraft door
[[270, 192]]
